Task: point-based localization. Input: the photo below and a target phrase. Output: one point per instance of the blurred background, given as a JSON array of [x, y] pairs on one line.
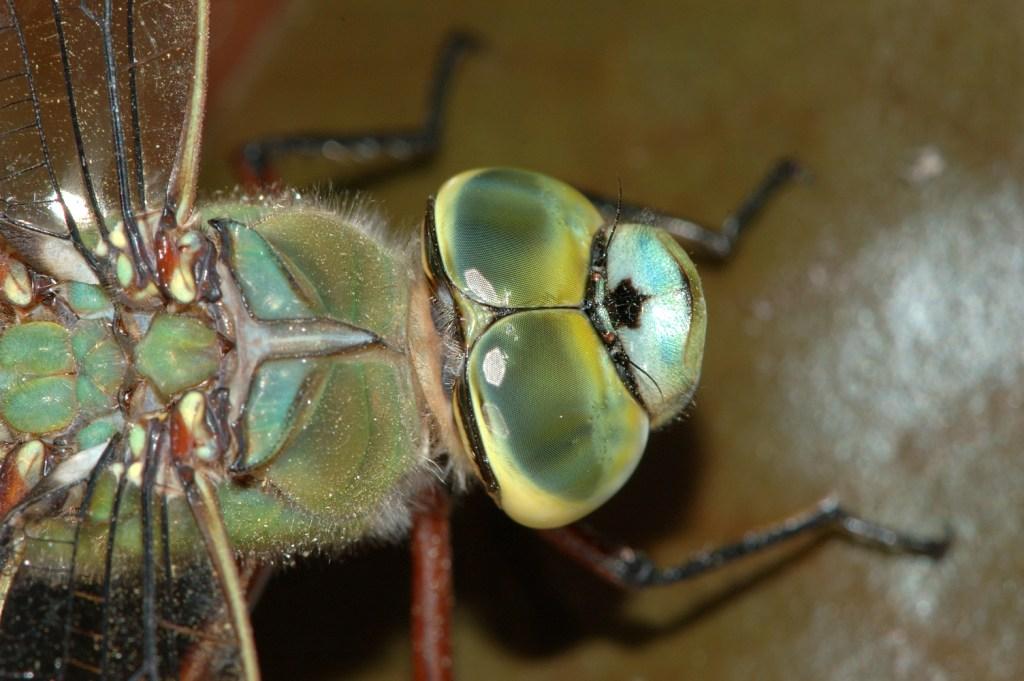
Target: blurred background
[[865, 340]]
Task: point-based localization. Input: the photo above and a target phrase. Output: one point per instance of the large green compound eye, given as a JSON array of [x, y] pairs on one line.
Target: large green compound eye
[[512, 238], [656, 304], [559, 430]]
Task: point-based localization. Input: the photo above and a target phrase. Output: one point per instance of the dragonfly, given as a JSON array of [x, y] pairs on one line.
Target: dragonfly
[[192, 391]]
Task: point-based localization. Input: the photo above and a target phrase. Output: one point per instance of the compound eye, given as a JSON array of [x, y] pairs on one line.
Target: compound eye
[[656, 306], [559, 431], [511, 238]]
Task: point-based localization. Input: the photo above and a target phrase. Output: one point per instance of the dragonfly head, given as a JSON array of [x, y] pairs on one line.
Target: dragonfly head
[[579, 336]]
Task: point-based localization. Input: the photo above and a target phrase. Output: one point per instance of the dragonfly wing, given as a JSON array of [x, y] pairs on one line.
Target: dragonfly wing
[[100, 115], [131, 583]]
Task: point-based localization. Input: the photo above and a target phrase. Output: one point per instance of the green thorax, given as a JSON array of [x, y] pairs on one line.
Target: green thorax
[[322, 389], [57, 374], [309, 343], [62, 366]]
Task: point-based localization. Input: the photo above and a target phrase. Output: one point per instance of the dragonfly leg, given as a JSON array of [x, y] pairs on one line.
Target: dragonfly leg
[[431, 587], [715, 244], [629, 568], [397, 149]]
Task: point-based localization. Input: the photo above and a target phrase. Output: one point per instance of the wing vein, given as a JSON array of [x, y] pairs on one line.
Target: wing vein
[[149, 620], [69, 220], [83, 511], [108, 566], [22, 171], [140, 178], [142, 263]]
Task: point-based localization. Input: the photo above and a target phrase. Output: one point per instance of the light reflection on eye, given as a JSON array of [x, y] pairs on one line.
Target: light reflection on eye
[[480, 287], [495, 420], [494, 365]]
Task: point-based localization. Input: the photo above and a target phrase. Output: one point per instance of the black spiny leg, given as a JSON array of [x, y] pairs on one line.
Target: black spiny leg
[[396, 150], [627, 567], [709, 243]]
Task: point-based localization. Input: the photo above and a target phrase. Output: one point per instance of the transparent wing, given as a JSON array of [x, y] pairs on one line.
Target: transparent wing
[[100, 115], [115, 564], [126, 585]]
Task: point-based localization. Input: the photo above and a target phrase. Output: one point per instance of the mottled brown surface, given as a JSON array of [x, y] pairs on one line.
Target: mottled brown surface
[[865, 341]]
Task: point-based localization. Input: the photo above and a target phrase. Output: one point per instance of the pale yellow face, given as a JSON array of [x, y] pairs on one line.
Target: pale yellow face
[[579, 337]]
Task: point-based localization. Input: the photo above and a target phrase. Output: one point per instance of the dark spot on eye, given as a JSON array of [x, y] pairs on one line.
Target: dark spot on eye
[[625, 304]]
